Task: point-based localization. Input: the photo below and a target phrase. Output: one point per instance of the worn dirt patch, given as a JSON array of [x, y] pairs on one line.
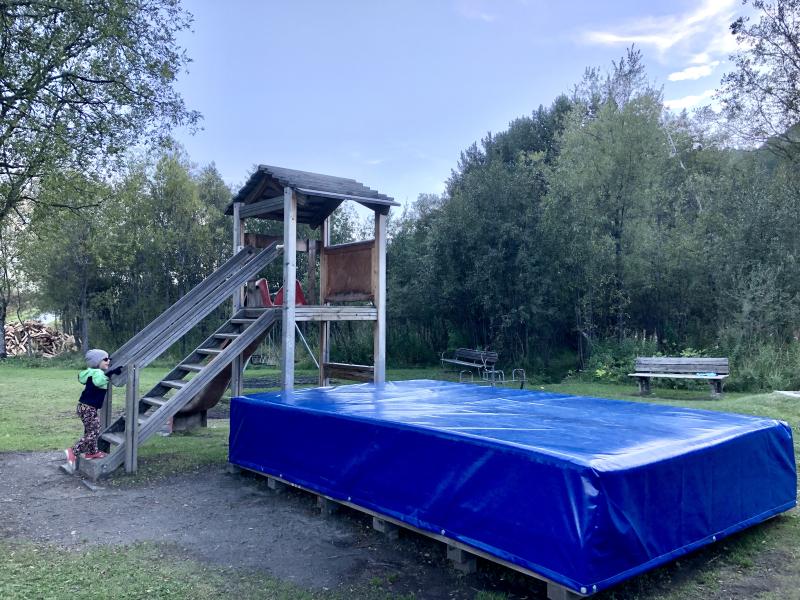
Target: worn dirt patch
[[235, 521]]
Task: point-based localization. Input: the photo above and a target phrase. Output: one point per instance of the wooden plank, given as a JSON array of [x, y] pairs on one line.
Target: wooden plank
[[257, 190], [260, 208], [377, 204], [461, 559], [349, 272], [238, 242], [336, 313], [324, 326], [106, 411], [289, 277], [681, 359], [387, 528], [379, 294], [114, 438], [258, 240], [238, 296], [349, 247], [311, 280], [132, 420]]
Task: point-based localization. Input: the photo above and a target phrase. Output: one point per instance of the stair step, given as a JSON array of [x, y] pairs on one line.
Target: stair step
[[209, 350], [227, 336], [114, 438], [243, 321], [155, 401], [192, 367], [173, 383]]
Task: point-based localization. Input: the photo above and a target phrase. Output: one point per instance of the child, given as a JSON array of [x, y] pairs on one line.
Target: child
[[95, 378]]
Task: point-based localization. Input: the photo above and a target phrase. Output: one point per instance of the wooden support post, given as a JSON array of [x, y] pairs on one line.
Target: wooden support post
[[238, 244], [276, 486], [237, 376], [327, 506], [379, 291], [132, 419], [387, 528], [237, 366], [289, 277], [324, 326], [312, 269], [559, 592], [461, 559], [105, 412]]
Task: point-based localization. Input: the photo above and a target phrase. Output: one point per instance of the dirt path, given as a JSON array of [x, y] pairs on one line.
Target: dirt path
[[236, 521], [228, 520]]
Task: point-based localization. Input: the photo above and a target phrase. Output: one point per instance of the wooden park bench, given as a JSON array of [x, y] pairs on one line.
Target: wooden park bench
[[713, 370], [482, 360]]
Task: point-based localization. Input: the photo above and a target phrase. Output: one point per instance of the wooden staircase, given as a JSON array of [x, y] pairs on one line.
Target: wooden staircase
[[179, 318], [146, 415], [178, 387]]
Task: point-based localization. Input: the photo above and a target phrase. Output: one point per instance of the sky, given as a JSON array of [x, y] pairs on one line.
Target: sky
[[390, 92]]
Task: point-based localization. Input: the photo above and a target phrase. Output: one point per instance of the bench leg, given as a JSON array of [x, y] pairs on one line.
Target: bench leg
[[644, 386], [716, 388]]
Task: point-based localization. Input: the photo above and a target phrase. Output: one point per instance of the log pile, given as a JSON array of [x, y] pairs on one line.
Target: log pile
[[38, 339]]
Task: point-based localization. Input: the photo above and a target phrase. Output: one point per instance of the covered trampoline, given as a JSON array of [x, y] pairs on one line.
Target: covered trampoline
[[582, 492]]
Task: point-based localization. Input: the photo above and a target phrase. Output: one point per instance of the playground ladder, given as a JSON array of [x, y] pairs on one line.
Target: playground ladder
[[179, 318], [178, 387]]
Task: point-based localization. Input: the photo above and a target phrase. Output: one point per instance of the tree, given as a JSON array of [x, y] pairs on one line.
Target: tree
[[762, 94], [603, 188], [82, 80], [61, 249]]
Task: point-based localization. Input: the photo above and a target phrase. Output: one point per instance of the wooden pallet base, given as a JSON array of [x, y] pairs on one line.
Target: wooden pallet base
[[462, 556]]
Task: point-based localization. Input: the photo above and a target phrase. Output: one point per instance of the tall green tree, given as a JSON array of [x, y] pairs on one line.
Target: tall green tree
[[604, 188], [761, 94], [63, 249], [81, 81]]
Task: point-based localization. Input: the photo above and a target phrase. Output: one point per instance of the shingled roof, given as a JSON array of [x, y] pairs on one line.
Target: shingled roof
[[317, 195]]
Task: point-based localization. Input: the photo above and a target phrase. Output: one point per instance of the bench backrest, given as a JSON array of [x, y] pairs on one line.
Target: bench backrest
[[476, 356], [679, 365]]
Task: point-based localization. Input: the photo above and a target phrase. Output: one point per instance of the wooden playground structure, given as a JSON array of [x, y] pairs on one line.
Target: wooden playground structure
[[352, 287]]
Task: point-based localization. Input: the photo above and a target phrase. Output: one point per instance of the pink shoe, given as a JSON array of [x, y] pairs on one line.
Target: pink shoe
[[71, 461], [97, 454]]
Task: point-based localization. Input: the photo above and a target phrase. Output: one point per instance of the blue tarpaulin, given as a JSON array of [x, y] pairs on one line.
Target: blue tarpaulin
[[584, 491]]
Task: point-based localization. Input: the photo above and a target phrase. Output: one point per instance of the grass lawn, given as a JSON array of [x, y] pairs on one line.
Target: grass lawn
[[37, 413]]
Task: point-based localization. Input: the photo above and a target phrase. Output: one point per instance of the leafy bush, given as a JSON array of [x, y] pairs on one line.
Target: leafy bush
[[611, 361]]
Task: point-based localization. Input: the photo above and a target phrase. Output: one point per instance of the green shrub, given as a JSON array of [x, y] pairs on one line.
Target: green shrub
[[611, 360]]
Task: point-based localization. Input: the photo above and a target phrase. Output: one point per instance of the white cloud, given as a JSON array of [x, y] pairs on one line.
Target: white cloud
[[694, 72], [679, 104], [475, 10], [706, 26]]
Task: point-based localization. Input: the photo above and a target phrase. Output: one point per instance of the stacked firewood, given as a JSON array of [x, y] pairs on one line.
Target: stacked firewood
[[36, 338]]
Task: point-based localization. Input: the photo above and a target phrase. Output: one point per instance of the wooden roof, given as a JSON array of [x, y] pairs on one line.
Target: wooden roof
[[317, 195]]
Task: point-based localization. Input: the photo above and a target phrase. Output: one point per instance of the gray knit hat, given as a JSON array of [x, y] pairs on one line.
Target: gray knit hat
[[95, 357]]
